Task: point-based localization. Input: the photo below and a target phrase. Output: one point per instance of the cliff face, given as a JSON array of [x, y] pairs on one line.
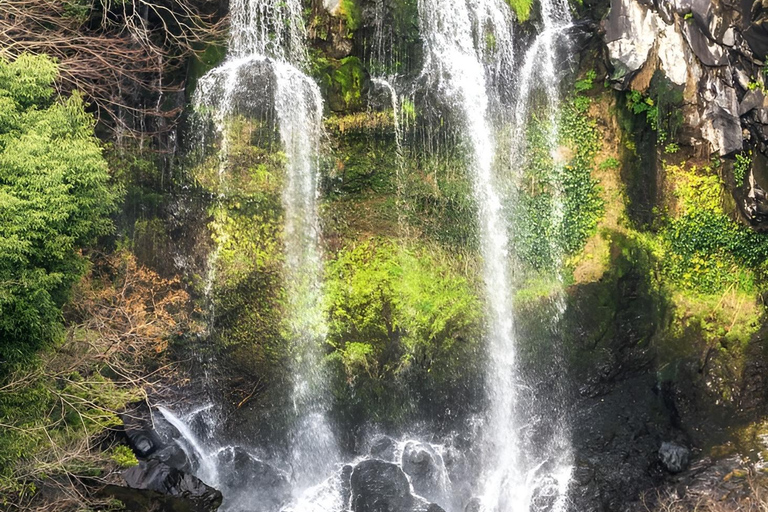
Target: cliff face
[[653, 351], [714, 53]]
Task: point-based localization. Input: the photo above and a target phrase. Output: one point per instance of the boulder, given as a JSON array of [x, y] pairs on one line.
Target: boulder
[[379, 486], [154, 475], [674, 457], [383, 447], [425, 468], [246, 475]]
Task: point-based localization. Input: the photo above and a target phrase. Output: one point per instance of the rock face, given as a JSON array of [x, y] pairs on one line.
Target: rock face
[[154, 475], [700, 46]]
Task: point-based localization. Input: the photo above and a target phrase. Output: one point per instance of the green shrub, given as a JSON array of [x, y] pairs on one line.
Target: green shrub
[[56, 197]]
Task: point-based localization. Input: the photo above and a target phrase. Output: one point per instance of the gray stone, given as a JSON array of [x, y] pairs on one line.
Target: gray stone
[[674, 457]]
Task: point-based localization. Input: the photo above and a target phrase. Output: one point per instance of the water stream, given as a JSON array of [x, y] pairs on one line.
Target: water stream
[[267, 51]]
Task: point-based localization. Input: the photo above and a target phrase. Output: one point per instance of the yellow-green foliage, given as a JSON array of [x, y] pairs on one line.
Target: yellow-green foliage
[[391, 307], [705, 250], [55, 198], [124, 456], [350, 11], [522, 9], [246, 258]]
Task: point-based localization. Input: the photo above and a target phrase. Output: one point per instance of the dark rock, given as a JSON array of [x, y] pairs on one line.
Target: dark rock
[[425, 467], [383, 447], [722, 124], [752, 99], [756, 34], [154, 475], [708, 52], [346, 486], [143, 500], [379, 486], [139, 429], [674, 457], [245, 474]]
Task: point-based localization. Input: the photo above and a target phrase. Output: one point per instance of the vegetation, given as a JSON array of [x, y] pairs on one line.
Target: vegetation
[[703, 248], [56, 416], [398, 315], [522, 9], [54, 187]]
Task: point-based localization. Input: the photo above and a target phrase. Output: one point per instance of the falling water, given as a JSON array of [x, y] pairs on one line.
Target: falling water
[[473, 78], [266, 52], [456, 64]]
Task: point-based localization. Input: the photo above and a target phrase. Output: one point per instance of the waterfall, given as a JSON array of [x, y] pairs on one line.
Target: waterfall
[[474, 78], [457, 65], [267, 51]]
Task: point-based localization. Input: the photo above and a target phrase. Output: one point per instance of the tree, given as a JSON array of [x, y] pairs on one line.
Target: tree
[[55, 197], [125, 56]]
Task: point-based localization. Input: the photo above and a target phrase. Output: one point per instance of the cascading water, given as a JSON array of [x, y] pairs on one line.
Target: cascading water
[[267, 51], [471, 76], [457, 66]]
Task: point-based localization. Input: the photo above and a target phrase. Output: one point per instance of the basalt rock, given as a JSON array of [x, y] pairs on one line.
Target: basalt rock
[[425, 468], [698, 45], [379, 486], [246, 475], [154, 475]]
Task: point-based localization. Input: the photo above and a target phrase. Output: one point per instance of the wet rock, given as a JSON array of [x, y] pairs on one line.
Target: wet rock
[[383, 447], [142, 500], [379, 486], [425, 467], [154, 475], [473, 505], [139, 430], [346, 489], [674, 457], [247, 474]]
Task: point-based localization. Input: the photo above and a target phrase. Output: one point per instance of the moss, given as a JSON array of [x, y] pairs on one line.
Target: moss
[[348, 79], [522, 9], [399, 318], [350, 11]]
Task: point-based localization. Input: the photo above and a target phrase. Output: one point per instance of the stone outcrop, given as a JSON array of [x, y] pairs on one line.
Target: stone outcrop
[[700, 46]]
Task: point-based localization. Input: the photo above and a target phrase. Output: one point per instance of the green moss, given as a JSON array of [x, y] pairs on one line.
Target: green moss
[[522, 9], [350, 11], [347, 84], [124, 456], [398, 316]]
